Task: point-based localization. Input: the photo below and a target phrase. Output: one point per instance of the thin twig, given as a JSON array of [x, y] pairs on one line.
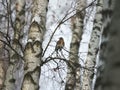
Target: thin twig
[[63, 21], [67, 62], [12, 48]]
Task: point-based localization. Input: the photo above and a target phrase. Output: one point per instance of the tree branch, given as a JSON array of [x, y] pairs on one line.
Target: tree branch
[[63, 21]]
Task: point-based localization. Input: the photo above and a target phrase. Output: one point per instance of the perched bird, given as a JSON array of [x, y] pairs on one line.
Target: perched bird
[[59, 45]]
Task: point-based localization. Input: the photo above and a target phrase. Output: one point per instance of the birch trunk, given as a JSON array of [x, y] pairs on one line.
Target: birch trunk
[[108, 77], [13, 77], [2, 73], [73, 73], [33, 49], [93, 48], [3, 63]]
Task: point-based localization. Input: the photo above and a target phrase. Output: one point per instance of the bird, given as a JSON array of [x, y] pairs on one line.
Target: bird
[[59, 45]]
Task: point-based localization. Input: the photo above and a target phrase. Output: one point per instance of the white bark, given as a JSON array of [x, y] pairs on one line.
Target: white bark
[[13, 77], [2, 73], [93, 48], [73, 73], [3, 64], [33, 49]]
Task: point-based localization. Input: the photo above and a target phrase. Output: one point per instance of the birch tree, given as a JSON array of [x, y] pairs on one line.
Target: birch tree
[[3, 63], [2, 72], [93, 48], [13, 79], [73, 73], [3, 57], [33, 48], [109, 68]]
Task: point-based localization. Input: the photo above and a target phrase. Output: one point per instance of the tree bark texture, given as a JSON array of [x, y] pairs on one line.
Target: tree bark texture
[[3, 63], [109, 70], [33, 49], [93, 48], [14, 73], [73, 72]]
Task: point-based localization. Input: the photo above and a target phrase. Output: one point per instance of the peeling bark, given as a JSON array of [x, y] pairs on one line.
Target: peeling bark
[[73, 73]]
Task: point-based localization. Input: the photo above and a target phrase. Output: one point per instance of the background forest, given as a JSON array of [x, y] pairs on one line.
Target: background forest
[[59, 45]]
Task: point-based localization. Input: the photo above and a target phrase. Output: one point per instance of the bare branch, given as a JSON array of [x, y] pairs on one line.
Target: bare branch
[[63, 21], [12, 48]]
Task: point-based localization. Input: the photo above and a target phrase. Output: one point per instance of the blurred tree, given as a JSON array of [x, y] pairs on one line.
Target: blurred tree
[[108, 76]]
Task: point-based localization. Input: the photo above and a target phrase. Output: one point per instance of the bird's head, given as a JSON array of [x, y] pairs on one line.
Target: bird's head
[[60, 38]]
